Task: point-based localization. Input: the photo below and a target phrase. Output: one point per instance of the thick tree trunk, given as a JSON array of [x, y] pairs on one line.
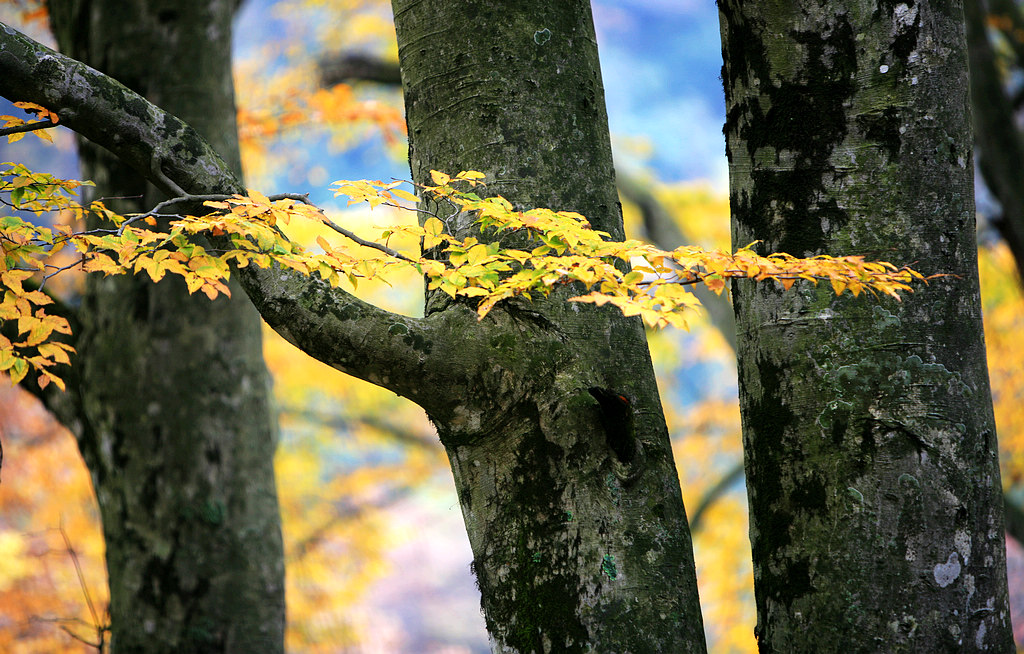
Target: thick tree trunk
[[176, 426], [576, 522], [871, 458]]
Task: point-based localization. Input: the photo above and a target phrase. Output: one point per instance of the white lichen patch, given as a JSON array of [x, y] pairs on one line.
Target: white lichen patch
[[946, 573], [905, 15]]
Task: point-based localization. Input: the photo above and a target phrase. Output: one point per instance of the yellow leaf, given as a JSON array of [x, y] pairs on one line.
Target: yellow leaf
[[632, 277], [439, 178], [54, 352], [18, 370], [193, 282], [46, 377], [433, 226], [477, 253], [39, 333], [405, 195], [258, 197], [42, 112]]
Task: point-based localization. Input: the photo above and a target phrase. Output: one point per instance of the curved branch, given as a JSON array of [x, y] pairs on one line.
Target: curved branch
[[329, 324], [721, 487], [340, 68]]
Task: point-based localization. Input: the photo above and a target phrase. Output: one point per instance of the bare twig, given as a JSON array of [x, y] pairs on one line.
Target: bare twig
[[298, 197], [57, 270], [156, 167], [81, 577], [99, 645], [370, 244]]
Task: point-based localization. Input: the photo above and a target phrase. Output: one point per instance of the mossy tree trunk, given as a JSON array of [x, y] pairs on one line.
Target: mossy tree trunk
[[578, 531], [871, 457], [173, 416]]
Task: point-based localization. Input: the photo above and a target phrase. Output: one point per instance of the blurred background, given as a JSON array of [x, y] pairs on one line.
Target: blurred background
[[377, 557]]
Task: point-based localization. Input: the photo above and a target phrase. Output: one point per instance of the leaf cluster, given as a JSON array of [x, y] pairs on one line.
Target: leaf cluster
[[15, 128], [562, 249], [638, 278]]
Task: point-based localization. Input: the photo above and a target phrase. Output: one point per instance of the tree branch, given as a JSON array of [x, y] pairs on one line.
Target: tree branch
[[1014, 517], [342, 68], [27, 127], [721, 487], [329, 324]]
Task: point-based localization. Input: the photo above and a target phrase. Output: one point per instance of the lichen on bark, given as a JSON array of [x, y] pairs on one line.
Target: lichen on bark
[[868, 432], [175, 422], [568, 553]]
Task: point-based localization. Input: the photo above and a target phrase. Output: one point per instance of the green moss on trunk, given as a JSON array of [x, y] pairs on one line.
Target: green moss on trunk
[[868, 430], [176, 427], [575, 548]]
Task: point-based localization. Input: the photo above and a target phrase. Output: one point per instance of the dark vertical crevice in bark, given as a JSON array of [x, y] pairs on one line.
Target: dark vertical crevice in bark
[[176, 425], [869, 440]]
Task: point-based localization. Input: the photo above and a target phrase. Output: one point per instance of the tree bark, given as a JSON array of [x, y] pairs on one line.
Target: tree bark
[[871, 456], [175, 421], [578, 531]]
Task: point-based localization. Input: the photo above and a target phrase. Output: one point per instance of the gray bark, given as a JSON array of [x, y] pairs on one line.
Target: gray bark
[[578, 530], [173, 417], [871, 455]]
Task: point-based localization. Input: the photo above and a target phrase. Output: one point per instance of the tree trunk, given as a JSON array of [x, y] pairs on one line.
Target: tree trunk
[[573, 509], [1000, 148], [175, 421], [871, 457]]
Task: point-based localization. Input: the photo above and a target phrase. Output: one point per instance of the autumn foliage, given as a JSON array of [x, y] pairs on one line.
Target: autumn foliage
[[42, 598], [565, 250]]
